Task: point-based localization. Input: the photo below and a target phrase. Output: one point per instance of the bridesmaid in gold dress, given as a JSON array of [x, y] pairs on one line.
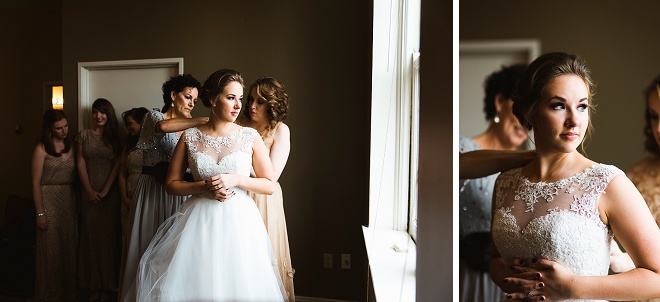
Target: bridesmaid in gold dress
[[644, 174], [265, 111], [53, 176], [98, 151]]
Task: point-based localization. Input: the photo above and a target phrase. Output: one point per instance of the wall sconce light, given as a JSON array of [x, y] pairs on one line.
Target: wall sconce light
[[58, 97]]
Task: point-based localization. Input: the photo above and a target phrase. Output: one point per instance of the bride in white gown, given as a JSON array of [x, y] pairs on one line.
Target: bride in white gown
[[216, 247], [554, 218]]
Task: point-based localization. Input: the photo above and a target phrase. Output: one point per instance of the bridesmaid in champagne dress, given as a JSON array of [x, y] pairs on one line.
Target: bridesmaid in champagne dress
[[265, 111], [645, 174], [53, 178], [98, 152]]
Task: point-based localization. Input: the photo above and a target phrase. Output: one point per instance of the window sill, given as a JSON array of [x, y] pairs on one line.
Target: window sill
[[392, 270]]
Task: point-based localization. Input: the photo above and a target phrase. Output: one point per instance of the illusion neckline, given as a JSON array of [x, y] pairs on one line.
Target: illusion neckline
[[233, 134], [579, 174]]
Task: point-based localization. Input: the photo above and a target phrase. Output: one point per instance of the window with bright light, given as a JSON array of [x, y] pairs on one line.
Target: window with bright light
[[392, 229], [394, 116]]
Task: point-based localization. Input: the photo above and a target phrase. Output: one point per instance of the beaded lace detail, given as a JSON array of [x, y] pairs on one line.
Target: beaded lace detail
[[157, 147], [557, 220], [591, 184], [209, 156]]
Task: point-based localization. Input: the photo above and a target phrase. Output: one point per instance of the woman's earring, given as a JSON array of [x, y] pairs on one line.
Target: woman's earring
[[496, 119], [172, 104]]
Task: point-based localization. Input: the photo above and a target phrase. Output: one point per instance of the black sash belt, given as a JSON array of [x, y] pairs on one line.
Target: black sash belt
[[159, 172], [475, 251]]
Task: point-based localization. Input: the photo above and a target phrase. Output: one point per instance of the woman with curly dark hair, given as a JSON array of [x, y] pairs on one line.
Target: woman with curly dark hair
[[265, 110], [98, 151], [504, 133], [53, 178], [151, 204]]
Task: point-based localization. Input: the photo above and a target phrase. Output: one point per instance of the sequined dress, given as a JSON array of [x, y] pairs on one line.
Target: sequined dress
[[133, 164], [152, 205], [556, 220], [475, 200], [100, 228], [57, 247], [212, 250], [272, 212]]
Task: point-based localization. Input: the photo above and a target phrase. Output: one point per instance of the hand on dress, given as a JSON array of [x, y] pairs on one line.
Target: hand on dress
[[521, 278], [42, 222], [94, 196], [127, 202], [550, 282], [219, 186]]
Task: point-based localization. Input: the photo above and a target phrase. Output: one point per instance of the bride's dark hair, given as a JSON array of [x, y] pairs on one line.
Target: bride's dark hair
[[216, 83]]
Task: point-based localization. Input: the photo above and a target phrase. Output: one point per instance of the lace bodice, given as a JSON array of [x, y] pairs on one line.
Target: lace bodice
[[157, 147], [209, 156], [558, 220]]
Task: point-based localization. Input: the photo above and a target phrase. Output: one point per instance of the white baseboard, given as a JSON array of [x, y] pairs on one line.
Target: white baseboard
[[314, 299]]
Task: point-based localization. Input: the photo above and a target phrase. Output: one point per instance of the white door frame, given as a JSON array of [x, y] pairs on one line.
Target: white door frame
[[85, 67], [530, 49]]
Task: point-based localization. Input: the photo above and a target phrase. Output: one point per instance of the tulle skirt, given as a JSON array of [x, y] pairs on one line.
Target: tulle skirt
[[211, 251], [151, 207]]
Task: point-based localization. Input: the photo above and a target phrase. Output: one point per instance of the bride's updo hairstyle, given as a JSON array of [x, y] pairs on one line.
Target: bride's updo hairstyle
[[216, 83], [539, 75]]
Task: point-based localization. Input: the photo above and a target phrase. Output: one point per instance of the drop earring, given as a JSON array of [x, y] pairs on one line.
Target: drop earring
[[496, 119]]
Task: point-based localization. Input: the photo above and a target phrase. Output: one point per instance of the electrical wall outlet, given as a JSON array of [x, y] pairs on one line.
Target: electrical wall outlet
[[327, 260], [346, 261]]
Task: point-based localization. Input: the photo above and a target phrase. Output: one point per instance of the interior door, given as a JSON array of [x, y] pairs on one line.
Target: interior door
[[126, 84]]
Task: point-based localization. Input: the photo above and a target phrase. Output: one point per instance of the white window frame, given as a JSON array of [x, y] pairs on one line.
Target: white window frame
[[395, 43], [414, 148], [394, 155]]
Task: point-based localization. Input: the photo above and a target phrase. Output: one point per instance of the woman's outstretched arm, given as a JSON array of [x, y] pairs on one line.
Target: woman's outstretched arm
[[481, 163]]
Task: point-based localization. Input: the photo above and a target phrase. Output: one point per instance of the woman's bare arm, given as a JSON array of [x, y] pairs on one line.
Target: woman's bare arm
[[481, 163]]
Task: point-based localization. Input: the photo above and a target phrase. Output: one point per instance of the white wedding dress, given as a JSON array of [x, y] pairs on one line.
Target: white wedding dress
[[558, 220], [211, 250]]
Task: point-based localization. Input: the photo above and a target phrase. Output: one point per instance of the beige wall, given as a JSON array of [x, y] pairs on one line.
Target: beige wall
[[320, 50], [31, 48], [617, 39]]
